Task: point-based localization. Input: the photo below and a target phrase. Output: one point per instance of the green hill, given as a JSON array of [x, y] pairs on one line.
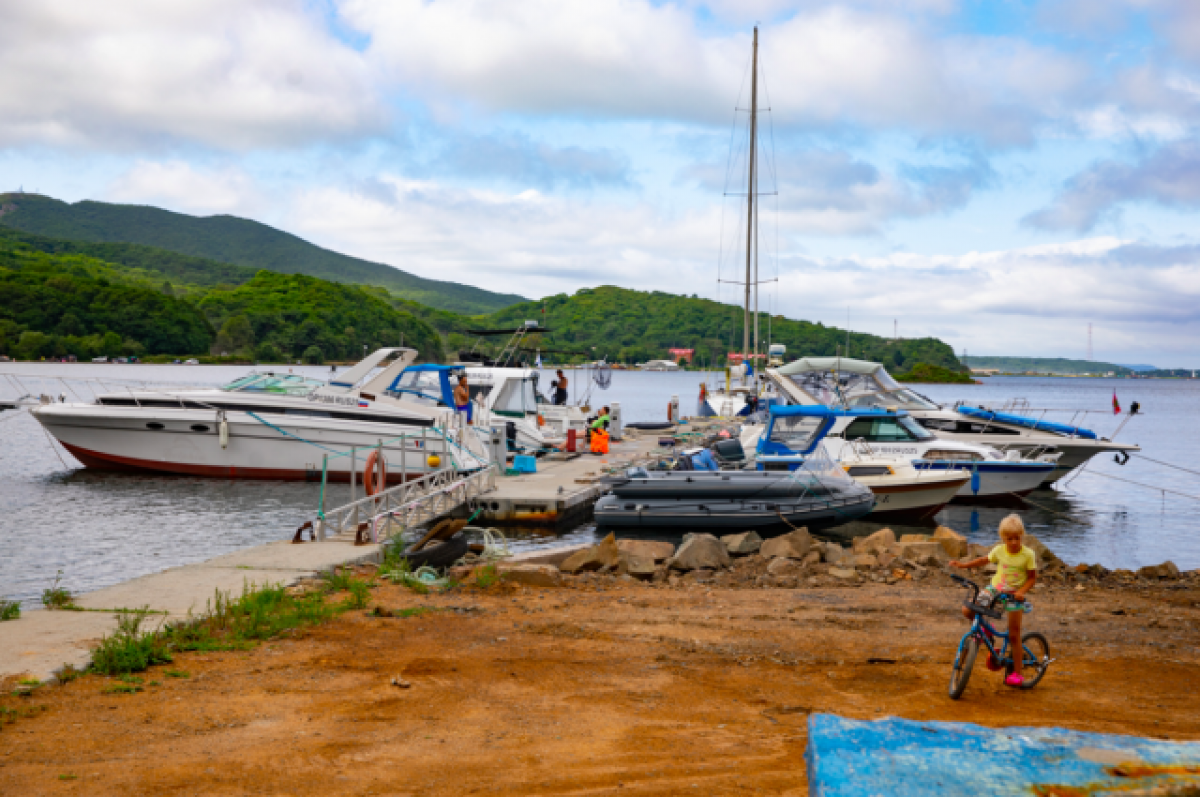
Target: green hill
[[1046, 365], [635, 326], [54, 304], [233, 240]]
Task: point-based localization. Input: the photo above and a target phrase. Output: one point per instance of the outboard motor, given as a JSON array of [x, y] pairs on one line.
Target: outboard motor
[[729, 450]]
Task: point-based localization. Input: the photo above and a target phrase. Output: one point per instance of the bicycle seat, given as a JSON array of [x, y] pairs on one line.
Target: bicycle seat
[[986, 611]]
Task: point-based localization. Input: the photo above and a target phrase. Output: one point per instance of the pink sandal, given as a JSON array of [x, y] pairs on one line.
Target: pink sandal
[[1014, 679]]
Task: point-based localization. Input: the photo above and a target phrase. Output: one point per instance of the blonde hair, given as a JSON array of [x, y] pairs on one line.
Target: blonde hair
[[1012, 523]]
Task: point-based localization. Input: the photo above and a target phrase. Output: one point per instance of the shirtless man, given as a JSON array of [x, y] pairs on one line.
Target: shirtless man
[[462, 397]]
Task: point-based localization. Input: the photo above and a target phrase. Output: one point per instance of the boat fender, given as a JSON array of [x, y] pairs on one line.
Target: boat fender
[[374, 478], [703, 391], [223, 432]]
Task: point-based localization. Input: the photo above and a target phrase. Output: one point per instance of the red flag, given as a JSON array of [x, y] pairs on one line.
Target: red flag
[[1116, 404]]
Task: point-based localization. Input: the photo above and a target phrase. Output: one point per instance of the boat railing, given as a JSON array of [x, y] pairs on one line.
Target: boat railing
[[407, 505]]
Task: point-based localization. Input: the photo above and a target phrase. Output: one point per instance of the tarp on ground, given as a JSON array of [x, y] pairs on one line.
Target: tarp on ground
[[906, 758]]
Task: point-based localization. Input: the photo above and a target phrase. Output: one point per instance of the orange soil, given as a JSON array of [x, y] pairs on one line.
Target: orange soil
[[628, 689]]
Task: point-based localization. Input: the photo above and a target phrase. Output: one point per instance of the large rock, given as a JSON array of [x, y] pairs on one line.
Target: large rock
[[843, 573], [1045, 556], [658, 551], [930, 554], [833, 553], [975, 550], [784, 567], [864, 561], [790, 546], [743, 544], [913, 538], [604, 555], [700, 552], [954, 543], [532, 575], [877, 543], [1165, 570], [637, 565]]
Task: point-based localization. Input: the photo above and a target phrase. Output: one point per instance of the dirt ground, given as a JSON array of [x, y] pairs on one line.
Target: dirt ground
[[602, 687]]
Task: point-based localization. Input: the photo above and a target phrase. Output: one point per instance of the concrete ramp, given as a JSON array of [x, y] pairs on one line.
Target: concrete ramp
[[904, 758]]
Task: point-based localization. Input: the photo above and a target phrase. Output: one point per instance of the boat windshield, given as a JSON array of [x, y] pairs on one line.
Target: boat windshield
[[425, 387], [889, 429], [902, 399], [278, 384], [517, 396], [795, 432]]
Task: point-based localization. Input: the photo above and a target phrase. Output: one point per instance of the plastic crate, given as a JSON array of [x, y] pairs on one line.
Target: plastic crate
[[523, 463]]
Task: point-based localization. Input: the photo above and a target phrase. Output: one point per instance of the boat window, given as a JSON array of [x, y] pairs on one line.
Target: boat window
[[938, 425], [968, 427], [952, 456], [516, 395], [796, 433], [421, 387], [886, 430], [277, 384]]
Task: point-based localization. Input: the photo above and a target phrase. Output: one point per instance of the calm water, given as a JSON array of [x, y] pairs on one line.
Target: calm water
[[102, 528]]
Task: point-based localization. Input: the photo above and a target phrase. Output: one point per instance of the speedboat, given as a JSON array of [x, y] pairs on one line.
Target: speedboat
[[270, 425], [859, 383], [812, 492], [902, 492]]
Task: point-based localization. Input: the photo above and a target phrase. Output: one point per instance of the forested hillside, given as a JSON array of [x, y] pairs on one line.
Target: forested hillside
[[233, 240], [59, 304], [635, 326]]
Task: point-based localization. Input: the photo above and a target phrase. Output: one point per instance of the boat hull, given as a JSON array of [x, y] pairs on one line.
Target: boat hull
[[767, 518], [913, 501], [996, 479], [720, 485], [117, 438]]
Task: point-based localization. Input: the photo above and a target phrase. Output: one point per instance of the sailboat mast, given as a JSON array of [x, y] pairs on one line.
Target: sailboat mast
[[750, 198]]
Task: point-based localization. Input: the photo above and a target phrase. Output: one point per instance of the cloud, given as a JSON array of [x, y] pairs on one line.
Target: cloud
[[827, 67], [179, 186], [831, 192], [1169, 176], [519, 158], [131, 74]]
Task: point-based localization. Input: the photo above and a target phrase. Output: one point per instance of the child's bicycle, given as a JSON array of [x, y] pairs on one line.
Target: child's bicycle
[[1036, 648]]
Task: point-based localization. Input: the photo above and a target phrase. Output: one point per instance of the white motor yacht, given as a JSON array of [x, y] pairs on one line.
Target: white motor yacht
[[269, 425], [859, 383]]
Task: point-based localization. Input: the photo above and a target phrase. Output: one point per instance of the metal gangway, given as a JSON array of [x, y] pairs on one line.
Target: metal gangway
[[403, 507]]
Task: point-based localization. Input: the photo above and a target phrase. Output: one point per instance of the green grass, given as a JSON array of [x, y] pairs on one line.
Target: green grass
[[229, 623], [177, 674], [11, 715], [68, 776], [56, 596], [9, 610], [121, 689], [68, 673], [486, 576]]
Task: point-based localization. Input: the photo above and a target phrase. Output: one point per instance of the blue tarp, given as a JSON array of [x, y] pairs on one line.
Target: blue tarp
[[905, 758], [1028, 423]]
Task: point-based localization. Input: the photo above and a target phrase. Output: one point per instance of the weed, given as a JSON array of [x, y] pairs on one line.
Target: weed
[[486, 576], [338, 579], [130, 648], [67, 776], [56, 596], [360, 594], [155, 683], [9, 610], [34, 682], [68, 673], [10, 715], [121, 689], [177, 674], [129, 679]]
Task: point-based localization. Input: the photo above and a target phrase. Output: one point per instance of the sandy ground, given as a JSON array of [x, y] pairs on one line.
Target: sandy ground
[[608, 687]]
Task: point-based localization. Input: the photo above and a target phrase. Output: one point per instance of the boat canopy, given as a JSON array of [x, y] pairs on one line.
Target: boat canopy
[[430, 382], [848, 382], [1028, 423]]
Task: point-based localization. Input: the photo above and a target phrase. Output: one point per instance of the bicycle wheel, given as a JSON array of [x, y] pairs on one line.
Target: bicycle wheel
[[963, 663], [1037, 653]]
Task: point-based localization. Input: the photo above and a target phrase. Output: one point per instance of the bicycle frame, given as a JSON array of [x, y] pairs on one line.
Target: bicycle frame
[[983, 631]]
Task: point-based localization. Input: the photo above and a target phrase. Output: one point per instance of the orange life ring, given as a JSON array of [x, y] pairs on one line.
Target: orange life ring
[[371, 474]]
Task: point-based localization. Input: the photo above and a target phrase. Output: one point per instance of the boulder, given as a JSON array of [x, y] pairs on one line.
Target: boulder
[[833, 553], [929, 554], [880, 541], [531, 575], [702, 576], [1045, 556], [658, 551], [795, 545], [974, 550], [913, 538], [811, 558], [606, 554], [954, 543], [864, 561], [886, 558], [637, 565], [743, 544], [784, 567], [843, 573], [700, 552], [1165, 570]]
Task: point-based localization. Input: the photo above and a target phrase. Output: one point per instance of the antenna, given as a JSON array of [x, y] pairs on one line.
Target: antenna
[[895, 329], [1089, 341]]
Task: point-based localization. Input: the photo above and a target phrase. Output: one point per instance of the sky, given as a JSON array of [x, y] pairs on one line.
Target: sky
[[997, 173]]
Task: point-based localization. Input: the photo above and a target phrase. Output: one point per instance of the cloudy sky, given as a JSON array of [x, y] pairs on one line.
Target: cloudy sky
[[998, 173]]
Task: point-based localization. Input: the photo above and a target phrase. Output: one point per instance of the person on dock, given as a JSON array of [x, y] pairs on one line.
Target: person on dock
[[598, 432], [462, 397], [1016, 573], [560, 388]]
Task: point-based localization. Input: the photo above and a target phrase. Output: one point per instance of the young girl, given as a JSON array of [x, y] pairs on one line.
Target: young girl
[[1016, 573]]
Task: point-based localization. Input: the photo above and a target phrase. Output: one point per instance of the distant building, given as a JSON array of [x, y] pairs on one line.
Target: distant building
[[985, 371]]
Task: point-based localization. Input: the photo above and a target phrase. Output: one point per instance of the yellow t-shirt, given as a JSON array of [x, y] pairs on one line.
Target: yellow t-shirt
[[1011, 568]]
